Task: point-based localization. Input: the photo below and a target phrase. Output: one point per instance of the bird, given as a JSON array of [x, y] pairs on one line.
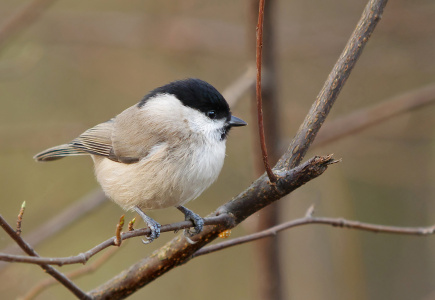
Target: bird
[[162, 152]]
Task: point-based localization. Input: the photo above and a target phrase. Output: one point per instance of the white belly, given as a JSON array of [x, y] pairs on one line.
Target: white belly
[[163, 179]]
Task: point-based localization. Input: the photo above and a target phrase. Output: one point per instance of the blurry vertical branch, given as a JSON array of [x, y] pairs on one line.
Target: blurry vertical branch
[[268, 264], [22, 18]]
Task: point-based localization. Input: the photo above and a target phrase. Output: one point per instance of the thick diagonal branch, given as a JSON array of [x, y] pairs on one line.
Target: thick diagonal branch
[[179, 251]]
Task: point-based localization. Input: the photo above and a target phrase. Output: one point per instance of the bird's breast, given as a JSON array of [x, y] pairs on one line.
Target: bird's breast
[[169, 176]]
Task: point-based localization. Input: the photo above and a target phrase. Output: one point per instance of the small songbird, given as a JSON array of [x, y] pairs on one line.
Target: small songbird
[[162, 152]]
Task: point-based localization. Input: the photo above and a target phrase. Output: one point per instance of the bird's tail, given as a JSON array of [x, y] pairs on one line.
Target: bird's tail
[[59, 152]]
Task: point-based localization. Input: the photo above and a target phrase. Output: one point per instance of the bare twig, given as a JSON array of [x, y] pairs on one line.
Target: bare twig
[[49, 269], [309, 219], [259, 53], [20, 218], [37, 289], [22, 18], [78, 209], [82, 258], [119, 227]]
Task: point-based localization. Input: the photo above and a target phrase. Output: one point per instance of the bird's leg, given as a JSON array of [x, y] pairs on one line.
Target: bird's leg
[[196, 219], [152, 225]]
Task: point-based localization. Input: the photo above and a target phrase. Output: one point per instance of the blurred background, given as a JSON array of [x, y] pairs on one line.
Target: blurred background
[[82, 62]]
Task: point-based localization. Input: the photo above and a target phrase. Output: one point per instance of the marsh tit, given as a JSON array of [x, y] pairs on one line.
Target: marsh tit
[[162, 152]]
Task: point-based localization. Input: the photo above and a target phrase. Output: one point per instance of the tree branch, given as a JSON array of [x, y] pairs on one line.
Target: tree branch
[[82, 258], [78, 209], [309, 219], [259, 54], [268, 285], [49, 269], [37, 289], [179, 251]]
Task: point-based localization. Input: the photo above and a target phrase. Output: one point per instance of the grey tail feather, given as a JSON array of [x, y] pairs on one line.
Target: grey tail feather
[[58, 152]]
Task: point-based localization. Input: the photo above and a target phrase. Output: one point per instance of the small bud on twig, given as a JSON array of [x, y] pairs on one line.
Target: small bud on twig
[[119, 226], [130, 224], [20, 218]]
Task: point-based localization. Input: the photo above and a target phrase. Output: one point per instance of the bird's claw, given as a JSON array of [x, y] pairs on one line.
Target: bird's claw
[[198, 223], [155, 232], [152, 225]]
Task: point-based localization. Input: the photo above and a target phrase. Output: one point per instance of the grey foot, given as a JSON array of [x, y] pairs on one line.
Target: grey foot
[[198, 222], [152, 225]]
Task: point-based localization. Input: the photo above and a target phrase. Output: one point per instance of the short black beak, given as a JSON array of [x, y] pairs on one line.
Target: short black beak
[[235, 122]]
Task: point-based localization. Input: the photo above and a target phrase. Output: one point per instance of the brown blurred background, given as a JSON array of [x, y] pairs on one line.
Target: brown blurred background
[[82, 62]]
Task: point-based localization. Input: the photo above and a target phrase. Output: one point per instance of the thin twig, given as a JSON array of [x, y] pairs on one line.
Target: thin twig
[[49, 269], [259, 53], [37, 289], [20, 218], [72, 213], [309, 219], [82, 258]]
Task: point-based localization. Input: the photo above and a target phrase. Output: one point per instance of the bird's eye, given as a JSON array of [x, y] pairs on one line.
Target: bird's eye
[[211, 114]]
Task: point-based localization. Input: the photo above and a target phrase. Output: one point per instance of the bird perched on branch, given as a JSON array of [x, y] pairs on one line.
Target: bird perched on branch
[[162, 152]]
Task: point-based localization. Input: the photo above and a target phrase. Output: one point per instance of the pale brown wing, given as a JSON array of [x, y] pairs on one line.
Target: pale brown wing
[[96, 140], [133, 135]]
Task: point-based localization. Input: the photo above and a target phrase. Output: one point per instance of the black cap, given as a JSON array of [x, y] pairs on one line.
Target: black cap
[[194, 93]]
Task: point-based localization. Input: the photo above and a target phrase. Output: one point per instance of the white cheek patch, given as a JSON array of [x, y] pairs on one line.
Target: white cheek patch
[[200, 123]]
